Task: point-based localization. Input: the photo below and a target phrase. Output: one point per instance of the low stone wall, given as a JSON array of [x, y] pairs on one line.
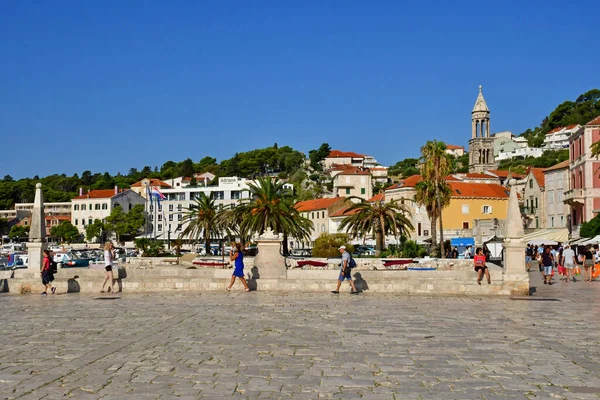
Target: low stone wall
[[451, 277]]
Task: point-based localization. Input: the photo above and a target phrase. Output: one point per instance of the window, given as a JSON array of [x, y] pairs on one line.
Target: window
[[418, 229], [76, 207], [537, 222], [160, 207], [235, 194], [76, 222], [552, 222], [170, 207], [363, 190], [160, 217], [465, 208], [322, 214], [218, 195], [170, 217], [159, 227], [151, 217], [465, 225], [531, 184], [312, 215], [83, 207], [90, 221], [151, 208], [90, 208], [551, 197], [178, 217], [425, 232], [562, 220], [179, 207], [130, 206], [536, 204], [486, 210], [104, 206], [322, 227], [96, 206], [82, 222], [347, 190]]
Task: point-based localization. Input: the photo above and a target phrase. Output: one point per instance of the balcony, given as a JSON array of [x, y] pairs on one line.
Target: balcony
[[527, 210], [574, 196]]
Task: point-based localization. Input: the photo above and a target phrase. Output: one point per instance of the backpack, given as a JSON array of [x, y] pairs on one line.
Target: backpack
[[53, 267], [352, 263]]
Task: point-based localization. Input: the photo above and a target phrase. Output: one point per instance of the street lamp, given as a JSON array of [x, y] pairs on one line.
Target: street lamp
[[169, 237]]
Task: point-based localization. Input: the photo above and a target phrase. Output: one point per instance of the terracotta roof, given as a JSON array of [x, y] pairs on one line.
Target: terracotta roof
[[538, 174], [504, 173], [560, 128], [454, 147], [58, 217], [378, 168], [561, 165], [317, 204], [153, 182], [451, 178], [354, 171], [344, 154], [475, 175], [377, 197], [98, 194], [342, 212], [478, 190], [595, 121]]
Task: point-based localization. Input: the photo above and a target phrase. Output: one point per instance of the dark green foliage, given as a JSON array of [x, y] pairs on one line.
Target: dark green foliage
[[94, 230], [18, 232], [66, 232], [583, 110], [547, 159], [591, 228], [404, 168], [316, 156], [150, 248], [327, 245]]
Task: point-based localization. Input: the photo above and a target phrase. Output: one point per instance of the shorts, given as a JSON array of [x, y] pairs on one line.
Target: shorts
[[548, 269], [569, 266], [47, 277], [345, 275], [479, 267], [108, 268], [527, 259]]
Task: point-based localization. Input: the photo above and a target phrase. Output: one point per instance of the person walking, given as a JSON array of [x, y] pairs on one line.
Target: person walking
[[109, 256], [548, 266], [588, 263], [237, 257], [345, 272], [480, 266], [47, 275], [568, 262], [528, 257]]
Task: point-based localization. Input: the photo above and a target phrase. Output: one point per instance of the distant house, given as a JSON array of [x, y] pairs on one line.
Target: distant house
[[353, 181], [456, 151], [98, 204], [319, 211], [556, 179], [340, 160], [558, 138], [534, 211], [142, 186]]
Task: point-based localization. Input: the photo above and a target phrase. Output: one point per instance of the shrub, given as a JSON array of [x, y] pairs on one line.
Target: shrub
[[327, 245]]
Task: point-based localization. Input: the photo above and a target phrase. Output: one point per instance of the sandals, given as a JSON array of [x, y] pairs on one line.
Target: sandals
[[247, 290], [228, 289]]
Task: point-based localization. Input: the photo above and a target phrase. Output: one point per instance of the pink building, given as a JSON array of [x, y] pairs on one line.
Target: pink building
[[583, 198]]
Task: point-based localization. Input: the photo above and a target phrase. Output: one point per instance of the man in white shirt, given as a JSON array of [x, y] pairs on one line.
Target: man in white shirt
[[568, 261]]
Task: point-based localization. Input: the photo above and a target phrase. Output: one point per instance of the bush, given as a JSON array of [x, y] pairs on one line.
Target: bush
[[328, 245], [591, 228], [150, 248], [411, 249]]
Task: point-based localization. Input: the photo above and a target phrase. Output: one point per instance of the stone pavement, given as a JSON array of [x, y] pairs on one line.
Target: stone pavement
[[302, 345]]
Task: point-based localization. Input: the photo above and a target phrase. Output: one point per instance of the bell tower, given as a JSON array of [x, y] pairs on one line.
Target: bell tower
[[481, 145]]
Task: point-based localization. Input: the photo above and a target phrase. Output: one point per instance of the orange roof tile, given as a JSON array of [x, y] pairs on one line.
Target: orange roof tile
[[153, 182], [98, 194], [538, 174], [411, 181], [478, 190], [377, 197], [344, 154], [454, 147], [595, 121], [561, 165], [317, 204], [555, 130], [451, 178], [504, 173], [474, 175], [342, 212], [353, 171]]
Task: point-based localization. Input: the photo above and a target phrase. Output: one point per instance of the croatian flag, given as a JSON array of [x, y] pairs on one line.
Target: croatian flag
[[157, 195]]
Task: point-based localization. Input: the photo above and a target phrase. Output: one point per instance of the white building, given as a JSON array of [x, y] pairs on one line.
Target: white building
[[558, 138], [520, 152], [98, 204]]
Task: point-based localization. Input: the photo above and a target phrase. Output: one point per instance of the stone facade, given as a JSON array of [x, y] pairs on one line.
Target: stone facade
[[481, 145], [534, 211], [556, 180]]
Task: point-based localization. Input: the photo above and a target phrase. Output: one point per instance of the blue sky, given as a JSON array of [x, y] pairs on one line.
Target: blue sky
[[111, 85]]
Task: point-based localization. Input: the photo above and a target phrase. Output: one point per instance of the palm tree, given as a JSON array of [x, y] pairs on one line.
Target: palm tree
[[271, 206], [202, 220], [378, 219], [434, 192]]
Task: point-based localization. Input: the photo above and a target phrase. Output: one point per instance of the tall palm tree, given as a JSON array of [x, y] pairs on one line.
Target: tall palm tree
[[434, 193], [203, 221], [271, 206], [377, 219]]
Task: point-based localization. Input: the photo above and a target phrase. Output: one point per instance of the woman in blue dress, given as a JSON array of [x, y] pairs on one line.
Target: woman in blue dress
[[238, 257]]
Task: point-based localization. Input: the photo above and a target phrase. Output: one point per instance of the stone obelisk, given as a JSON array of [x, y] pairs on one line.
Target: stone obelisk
[[37, 232], [515, 274]]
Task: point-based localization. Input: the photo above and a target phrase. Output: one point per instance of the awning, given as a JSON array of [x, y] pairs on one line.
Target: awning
[[462, 242], [557, 235], [594, 240]]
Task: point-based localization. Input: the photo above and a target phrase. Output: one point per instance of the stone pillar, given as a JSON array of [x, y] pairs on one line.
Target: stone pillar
[[473, 129], [37, 232], [516, 278], [269, 261]]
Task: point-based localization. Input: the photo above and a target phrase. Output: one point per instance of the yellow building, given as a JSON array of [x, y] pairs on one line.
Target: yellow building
[[474, 201]]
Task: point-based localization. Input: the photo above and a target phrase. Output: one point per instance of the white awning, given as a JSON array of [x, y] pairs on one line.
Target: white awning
[[557, 235], [594, 240]]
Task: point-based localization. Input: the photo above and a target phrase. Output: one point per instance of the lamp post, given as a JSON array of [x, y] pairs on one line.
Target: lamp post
[[169, 237]]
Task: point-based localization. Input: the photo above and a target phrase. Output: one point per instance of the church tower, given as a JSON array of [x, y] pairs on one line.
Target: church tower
[[481, 145]]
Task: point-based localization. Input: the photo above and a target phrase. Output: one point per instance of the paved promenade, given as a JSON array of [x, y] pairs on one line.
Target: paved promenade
[[302, 346]]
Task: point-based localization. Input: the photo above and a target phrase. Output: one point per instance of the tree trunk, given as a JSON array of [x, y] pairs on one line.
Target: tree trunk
[[441, 232], [378, 243], [433, 230], [285, 245]]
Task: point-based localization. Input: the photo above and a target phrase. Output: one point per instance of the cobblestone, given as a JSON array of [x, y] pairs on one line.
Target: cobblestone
[[314, 345]]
